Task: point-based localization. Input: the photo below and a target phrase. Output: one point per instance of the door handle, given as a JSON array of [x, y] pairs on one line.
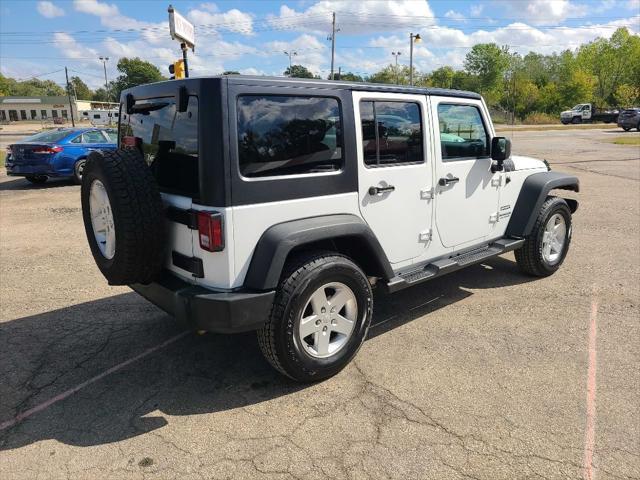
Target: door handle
[[443, 182], [379, 190]]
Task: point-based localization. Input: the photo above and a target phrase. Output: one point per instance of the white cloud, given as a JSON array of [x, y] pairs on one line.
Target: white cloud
[[311, 52], [356, 17], [93, 7], [453, 15], [547, 12], [233, 20], [49, 10], [633, 5], [476, 10]]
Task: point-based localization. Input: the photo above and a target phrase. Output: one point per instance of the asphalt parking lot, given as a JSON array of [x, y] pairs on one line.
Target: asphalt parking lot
[[483, 374]]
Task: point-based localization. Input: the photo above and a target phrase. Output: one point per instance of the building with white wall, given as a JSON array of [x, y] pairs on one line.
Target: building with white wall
[[18, 109]]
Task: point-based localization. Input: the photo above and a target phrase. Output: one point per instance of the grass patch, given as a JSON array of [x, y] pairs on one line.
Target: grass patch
[[626, 140], [544, 128], [3, 155]]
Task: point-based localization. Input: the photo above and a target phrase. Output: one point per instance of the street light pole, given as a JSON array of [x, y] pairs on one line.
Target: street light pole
[[397, 54], [290, 53], [106, 84], [417, 39]]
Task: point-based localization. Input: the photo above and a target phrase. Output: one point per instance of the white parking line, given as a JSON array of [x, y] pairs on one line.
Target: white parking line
[[46, 404]]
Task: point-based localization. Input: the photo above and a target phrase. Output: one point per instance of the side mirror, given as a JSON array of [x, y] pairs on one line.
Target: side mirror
[[500, 151]]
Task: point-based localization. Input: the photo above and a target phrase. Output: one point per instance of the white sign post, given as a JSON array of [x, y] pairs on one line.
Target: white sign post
[[183, 31]]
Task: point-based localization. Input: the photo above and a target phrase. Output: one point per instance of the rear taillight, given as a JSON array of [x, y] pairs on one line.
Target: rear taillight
[[210, 231], [47, 150]]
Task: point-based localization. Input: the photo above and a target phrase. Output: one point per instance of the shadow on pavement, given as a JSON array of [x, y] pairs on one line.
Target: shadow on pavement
[[21, 183], [46, 354]]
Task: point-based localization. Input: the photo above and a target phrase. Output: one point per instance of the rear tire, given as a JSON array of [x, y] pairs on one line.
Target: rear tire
[[37, 179], [123, 217], [78, 169], [626, 129], [546, 247], [308, 337]]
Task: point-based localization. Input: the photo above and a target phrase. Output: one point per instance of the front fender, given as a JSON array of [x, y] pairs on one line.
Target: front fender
[[278, 241], [534, 191]]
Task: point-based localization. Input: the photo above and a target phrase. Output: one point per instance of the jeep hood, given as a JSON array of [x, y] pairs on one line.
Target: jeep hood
[[526, 163]]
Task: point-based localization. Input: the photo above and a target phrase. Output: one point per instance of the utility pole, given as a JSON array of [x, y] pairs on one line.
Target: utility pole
[[66, 74], [333, 41], [291, 53], [339, 73], [397, 54], [184, 48], [412, 38], [106, 85]]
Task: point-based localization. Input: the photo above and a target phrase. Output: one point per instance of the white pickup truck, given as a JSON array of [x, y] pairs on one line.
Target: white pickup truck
[[586, 112]]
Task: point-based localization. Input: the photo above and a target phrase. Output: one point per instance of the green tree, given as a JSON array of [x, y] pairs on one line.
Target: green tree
[[298, 71], [101, 95], [488, 62], [442, 77], [347, 76], [627, 95], [80, 89], [134, 72], [612, 62]]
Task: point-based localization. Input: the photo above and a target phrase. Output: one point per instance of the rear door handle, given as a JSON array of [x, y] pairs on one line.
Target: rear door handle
[[379, 190], [443, 182]]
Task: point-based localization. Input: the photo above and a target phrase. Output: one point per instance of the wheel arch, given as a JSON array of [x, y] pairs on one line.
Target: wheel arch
[[342, 233], [533, 193]]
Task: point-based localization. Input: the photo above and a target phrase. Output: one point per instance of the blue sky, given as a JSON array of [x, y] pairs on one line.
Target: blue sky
[[40, 37]]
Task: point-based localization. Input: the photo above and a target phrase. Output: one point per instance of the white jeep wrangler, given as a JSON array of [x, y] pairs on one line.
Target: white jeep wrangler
[[272, 204]]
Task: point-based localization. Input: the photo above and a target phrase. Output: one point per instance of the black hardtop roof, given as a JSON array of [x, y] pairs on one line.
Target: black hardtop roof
[[146, 91]]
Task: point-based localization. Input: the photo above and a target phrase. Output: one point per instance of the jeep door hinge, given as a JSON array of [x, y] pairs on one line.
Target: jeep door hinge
[[426, 236], [496, 181], [427, 194], [493, 218]]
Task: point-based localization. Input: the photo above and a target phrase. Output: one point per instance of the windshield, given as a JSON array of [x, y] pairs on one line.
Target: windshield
[[50, 136], [578, 107]]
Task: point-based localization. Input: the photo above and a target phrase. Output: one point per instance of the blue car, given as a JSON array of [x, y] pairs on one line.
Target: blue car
[[57, 153]]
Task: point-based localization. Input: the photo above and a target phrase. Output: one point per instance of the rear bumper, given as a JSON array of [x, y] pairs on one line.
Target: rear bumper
[[18, 170], [204, 309], [630, 122]]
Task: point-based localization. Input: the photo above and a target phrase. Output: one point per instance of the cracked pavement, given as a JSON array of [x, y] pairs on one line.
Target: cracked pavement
[[478, 375]]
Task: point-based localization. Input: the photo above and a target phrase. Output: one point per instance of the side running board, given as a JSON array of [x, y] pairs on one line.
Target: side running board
[[450, 264]]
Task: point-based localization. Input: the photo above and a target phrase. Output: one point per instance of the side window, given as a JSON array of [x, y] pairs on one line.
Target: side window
[[288, 135], [112, 136], [391, 133], [462, 132], [78, 139], [92, 137]]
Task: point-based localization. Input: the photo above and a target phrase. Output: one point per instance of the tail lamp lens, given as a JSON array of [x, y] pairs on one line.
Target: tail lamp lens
[[210, 231], [47, 150]]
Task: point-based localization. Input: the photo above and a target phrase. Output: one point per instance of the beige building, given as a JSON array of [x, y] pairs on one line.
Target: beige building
[[17, 109]]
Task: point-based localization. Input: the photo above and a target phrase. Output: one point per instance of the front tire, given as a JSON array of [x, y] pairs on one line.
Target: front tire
[[320, 317], [576, 120], [626, 129], [546, 247]]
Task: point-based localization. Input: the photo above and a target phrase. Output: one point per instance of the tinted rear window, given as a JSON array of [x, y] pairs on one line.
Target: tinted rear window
[[288, 135], [169, 141], [48, 137]]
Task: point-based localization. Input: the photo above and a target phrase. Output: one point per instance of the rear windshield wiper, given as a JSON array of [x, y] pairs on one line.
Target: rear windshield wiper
[[145, 108]]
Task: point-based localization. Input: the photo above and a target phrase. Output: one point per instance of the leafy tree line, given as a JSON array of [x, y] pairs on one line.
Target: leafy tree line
[[605, 72], [133, 71]]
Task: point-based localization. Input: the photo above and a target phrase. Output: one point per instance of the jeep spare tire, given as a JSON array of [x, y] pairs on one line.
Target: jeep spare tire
[[123, 216]]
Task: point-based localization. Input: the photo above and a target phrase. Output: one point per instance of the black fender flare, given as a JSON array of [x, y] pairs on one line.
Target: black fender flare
[[534, 191], [279, 240]]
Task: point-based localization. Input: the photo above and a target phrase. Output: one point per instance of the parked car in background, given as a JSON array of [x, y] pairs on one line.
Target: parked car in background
[[57, 153], [587, 112], [629, 118]]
